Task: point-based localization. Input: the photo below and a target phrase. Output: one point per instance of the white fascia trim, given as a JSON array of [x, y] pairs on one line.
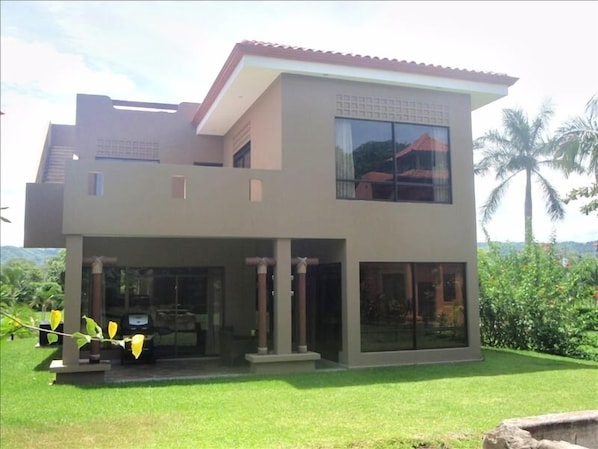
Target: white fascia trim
[[232, 78], [374, 75]]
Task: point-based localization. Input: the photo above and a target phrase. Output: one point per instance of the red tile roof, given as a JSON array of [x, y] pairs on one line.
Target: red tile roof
[[424, 143], [266, 49], [371, 62], [376, 176], [426, 174]]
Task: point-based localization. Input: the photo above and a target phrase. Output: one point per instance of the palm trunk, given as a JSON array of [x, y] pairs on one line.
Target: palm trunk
[[528, 207]]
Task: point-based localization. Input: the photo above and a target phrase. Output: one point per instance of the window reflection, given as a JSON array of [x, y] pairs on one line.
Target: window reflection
[[390, 162], [412, 306]]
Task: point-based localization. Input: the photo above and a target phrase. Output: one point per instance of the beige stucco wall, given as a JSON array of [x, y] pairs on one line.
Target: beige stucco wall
[[171, 132], [261, 124], [43, 216], [379, 231]]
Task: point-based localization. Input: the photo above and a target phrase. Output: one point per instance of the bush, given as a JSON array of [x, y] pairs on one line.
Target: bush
[[530, 299]]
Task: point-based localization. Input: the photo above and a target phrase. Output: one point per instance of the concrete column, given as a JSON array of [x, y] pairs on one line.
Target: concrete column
[[351, 326], [262, 270], [72, 297], [282, 297], [301, 271], [96, 305]]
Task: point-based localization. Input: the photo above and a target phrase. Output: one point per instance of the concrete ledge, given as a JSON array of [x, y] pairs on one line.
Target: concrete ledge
[[282, 363], [572, 430], [83, 373]]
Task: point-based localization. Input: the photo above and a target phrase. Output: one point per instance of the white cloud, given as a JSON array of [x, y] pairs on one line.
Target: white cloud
[[39, 69]]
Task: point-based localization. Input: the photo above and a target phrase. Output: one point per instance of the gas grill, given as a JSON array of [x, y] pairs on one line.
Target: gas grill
[[138, 323]]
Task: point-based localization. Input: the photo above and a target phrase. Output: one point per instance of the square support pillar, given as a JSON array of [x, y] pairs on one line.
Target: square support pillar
[[282, 297], [72, 297], [351, 319]]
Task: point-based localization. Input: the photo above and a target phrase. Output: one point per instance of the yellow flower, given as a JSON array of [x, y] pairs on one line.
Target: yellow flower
[[137, 345], [55, 318], [112, 327]]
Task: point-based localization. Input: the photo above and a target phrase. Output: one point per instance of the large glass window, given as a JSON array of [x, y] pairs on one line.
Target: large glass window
[[392, 161], [408, 306]]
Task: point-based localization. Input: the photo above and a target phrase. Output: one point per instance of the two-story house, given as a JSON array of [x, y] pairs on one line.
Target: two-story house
[[361, 164]]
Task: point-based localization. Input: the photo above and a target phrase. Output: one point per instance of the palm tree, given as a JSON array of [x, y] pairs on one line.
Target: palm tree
[[576, 146], [521, 147], [47, 295]]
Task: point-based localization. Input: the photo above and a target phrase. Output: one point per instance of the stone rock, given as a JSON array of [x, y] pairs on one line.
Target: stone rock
[[507, 436]]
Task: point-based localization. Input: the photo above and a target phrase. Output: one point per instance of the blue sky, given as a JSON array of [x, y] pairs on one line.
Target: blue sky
[[172, 51]]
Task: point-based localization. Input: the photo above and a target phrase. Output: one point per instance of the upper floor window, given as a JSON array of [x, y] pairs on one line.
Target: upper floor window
[[392, 161], [242, 158], [95, 184]]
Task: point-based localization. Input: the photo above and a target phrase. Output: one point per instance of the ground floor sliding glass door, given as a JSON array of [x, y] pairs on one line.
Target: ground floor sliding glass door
[[409, 306], [185, 305]]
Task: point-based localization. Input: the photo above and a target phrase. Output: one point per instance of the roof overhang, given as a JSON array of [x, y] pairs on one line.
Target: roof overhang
[[246, 76]]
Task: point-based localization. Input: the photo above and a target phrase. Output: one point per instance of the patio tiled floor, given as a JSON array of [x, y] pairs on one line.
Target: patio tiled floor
[[169, 369], [178, 369]]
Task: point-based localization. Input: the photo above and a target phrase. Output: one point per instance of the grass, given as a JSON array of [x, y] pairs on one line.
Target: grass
[[433, 406]]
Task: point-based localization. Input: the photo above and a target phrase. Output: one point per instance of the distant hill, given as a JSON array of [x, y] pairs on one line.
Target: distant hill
[[36, 255], [565, 248]]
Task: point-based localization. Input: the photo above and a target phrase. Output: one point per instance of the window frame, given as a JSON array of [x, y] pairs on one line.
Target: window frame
[[242, 158], [406, 322], [393, 182]]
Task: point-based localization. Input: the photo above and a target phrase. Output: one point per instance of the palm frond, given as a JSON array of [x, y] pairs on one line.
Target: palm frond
[[494, 198], [554, 204], [577, 140], [567, 167], [517, 129], [540, 124]]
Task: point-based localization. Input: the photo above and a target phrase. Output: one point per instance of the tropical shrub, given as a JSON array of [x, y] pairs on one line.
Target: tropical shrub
[[21, 277], [534, 299]]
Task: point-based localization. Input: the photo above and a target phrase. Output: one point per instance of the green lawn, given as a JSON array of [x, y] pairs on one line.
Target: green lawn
[[438, 406]]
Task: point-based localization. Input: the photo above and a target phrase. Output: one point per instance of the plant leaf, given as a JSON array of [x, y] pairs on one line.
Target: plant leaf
[[93, 330], [81, 339], [112, 328], [52, 338], [137, 344], [55, 318]]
